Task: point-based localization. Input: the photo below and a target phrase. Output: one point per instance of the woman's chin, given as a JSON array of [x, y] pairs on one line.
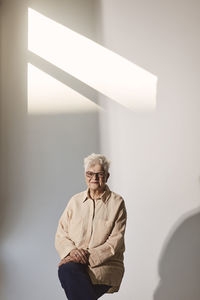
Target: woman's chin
[[94, 186]]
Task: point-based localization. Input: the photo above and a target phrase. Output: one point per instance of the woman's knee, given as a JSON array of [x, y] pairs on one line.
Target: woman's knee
[[70, 267]]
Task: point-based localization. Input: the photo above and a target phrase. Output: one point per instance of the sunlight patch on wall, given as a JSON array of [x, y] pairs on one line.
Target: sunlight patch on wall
[[49, 96], [98, 67]]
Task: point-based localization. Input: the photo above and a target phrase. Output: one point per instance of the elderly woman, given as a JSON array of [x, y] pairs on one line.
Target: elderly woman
[[90, 236]]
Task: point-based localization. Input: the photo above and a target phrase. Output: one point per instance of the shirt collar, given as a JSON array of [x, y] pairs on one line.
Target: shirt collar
[[104, 196]]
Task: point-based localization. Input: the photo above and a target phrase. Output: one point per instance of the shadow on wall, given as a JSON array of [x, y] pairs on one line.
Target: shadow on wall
[[179, 267]]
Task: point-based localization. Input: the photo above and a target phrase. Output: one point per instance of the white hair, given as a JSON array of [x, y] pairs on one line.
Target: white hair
[[93, 158]]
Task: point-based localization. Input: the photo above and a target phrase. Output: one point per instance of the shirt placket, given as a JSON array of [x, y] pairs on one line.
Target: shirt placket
[[91, 221]]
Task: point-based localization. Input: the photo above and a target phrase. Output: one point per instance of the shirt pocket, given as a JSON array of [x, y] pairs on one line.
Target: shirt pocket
[[102, 230]]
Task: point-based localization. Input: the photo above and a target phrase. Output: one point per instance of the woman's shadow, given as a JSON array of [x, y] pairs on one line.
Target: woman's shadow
[[179, 265]]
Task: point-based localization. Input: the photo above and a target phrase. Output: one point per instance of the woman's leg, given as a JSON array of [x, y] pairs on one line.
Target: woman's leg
[[76, 281], [100, 289]]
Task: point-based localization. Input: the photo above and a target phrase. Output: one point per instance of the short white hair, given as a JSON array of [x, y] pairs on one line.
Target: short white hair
[[93, 159]]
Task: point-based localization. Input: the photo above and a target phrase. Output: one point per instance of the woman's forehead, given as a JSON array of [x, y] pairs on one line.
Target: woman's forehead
[[95, 168]]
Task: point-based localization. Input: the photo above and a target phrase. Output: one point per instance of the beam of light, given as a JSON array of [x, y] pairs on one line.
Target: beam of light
[[98, 67], [49, 96]]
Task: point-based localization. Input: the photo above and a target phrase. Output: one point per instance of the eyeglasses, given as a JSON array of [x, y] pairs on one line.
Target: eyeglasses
[[91, 174]]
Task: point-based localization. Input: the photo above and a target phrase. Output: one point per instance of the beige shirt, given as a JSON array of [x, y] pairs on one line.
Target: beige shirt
[[98, 226]]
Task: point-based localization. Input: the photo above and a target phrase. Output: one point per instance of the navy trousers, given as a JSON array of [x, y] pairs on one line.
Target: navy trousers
[[76, 282]]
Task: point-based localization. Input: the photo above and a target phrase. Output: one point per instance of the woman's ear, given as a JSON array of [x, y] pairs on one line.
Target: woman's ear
[[108, 175]]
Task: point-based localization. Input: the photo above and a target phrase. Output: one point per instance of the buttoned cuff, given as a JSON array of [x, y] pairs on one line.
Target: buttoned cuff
[[66, 252], [94, 259]]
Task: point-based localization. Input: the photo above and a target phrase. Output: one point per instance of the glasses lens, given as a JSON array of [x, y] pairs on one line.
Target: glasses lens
[[91, 174], [101, 174]]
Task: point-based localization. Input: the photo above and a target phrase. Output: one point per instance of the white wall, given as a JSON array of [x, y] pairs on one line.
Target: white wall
[[155, 155], [42, 157]]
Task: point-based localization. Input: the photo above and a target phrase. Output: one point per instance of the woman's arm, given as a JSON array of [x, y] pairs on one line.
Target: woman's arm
[[64, 245]]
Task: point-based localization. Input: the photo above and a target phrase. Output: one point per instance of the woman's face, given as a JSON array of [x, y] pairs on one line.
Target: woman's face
[[96, 178]]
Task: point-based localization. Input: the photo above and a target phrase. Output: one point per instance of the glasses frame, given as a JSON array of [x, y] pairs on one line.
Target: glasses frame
[[98, 174]]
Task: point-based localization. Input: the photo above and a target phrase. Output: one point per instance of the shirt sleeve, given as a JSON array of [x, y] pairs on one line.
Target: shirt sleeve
[[114, 243], [63, 244]]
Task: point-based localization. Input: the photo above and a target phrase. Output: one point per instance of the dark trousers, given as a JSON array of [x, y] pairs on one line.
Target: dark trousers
[[76, 282]]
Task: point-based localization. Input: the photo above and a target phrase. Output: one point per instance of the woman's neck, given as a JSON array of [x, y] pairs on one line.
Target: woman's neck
[[95, 194]]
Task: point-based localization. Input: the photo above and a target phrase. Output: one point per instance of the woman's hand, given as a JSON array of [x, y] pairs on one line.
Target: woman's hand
[[65, 260], [76, 255], [80, 255]]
